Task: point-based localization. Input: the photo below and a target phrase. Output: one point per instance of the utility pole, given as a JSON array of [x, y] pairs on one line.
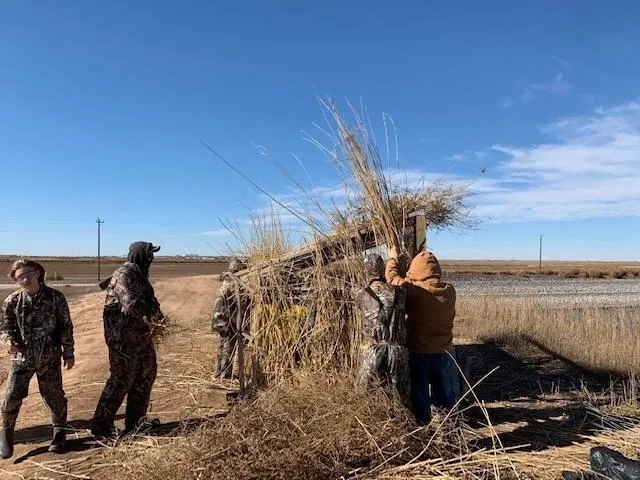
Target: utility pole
[[99, 222], [540, 257]]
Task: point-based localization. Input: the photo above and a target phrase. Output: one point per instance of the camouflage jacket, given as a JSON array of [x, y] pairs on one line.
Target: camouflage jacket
[[383, 311], [225, 309], [130, 301], [37, 323]]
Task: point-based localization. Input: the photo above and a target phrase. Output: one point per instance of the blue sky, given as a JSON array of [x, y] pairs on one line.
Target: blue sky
[[103, 106]]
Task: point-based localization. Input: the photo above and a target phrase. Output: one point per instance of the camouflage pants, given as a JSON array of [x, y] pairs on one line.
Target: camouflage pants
[[48, 370], [387, 363], [132, 374], [224, 358]]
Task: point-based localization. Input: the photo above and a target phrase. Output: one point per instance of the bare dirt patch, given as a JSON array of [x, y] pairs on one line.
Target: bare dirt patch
[[181, 390]]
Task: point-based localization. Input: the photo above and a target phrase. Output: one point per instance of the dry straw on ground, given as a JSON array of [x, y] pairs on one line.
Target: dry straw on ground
[[311, 427]]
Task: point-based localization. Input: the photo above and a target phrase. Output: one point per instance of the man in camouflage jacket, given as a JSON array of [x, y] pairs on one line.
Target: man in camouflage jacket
[[224, 320], [36, 327], [385, 357], [129, 312]]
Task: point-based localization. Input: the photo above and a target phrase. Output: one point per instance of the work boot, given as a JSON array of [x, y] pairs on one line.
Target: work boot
[[104, 433], [143, 426], [6, 438], [6, 442], [59, 441]]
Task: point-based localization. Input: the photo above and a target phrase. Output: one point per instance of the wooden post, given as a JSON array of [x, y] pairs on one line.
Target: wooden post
[[239, 337], [417, 223], [421, 233]]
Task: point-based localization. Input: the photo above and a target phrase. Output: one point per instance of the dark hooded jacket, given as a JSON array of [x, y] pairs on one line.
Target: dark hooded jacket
[[139, 255], [129, 299]]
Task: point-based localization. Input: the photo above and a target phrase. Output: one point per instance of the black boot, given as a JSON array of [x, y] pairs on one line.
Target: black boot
[[59, 441], [142, 426], [104, 433], [6, 437], [6, 443]]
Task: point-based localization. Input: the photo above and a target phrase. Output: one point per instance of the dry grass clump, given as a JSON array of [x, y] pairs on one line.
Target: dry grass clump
[[268, 239], [592, 337], [379, 203], [619, 432], [304, 318], [310, 427], [159, 326]]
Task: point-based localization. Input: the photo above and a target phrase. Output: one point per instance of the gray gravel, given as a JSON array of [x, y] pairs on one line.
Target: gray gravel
[[554, 290]]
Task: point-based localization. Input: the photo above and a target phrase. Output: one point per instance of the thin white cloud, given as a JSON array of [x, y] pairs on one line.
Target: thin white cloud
[[468, 156], [589, 169], [561, 62], [221, 232], [536, 91]]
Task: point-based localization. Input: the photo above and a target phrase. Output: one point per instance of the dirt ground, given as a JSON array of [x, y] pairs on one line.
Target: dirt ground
[[180, 391]]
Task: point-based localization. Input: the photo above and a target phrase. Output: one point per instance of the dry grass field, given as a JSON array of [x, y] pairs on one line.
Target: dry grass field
[[587, 335]]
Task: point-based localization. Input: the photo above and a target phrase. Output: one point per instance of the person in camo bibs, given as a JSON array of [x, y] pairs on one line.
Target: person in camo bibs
[[385, 357], [130, 310], [223, 319], [36, 327]]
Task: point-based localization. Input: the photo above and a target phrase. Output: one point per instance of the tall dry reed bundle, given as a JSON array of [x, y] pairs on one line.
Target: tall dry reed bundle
[[380, 203], [303, 318]]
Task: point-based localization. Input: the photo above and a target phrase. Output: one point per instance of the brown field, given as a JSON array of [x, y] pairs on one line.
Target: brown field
[[84, 271], [564, 269], [86, 268], [544, 396]]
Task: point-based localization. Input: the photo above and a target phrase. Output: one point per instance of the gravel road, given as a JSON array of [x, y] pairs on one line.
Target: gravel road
[[578, 291]]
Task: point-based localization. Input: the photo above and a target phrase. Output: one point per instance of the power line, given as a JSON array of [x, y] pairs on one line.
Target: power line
[[84, 220], [540, 258], [99, 222]]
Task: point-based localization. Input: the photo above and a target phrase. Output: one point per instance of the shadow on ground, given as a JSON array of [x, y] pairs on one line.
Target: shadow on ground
[[85, 441], [535, 399]]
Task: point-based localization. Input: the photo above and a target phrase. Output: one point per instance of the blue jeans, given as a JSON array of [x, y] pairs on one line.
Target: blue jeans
[[438, 371]]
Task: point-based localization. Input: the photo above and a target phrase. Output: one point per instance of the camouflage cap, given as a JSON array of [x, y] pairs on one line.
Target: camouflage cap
[[374, 265], [235, 266]]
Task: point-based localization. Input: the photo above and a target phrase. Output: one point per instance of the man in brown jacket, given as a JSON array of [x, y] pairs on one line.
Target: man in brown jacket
[[430, 308]]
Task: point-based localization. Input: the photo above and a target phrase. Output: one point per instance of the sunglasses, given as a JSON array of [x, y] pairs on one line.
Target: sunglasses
[[25, 276]]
